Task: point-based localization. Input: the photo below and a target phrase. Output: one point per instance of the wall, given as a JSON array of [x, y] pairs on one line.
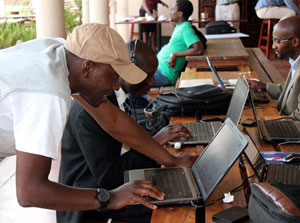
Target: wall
[[167, 29]]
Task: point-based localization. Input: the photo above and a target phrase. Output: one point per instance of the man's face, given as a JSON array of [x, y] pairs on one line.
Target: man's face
[[174, 13], [102, 81], [282, 43], [138, 90]]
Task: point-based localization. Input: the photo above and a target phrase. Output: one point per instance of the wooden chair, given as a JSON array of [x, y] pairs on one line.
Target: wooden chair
[[132, 33], [265, 36]]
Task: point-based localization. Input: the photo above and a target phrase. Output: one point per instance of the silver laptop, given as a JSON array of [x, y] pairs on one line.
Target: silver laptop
[[202, 132], [273, 173], [213, 70], [258, 97], [276, 130], [182, 184]]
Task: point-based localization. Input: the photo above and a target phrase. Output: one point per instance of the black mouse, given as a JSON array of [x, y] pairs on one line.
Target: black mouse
[[292, 158]]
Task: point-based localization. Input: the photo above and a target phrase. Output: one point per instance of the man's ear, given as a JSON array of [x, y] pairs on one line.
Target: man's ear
[[87, 67], [296, 42], [180, 13]]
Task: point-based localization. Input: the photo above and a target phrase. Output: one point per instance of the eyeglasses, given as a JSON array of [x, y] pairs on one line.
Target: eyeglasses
[[278, 41]]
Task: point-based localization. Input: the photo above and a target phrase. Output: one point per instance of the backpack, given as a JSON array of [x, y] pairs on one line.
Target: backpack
[[152, 125], [201, 37], [275, 203], [219, 27], [190, 101]]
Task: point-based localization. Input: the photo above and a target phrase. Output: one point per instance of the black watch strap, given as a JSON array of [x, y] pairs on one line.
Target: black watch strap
[[103, 197]]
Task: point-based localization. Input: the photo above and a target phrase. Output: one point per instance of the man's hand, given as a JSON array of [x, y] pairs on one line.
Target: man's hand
[[172, 60], [185, 160], [134, 192], [170, 132], [256, 85]]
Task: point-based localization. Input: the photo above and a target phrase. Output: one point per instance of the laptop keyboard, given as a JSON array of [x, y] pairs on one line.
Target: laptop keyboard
[[283, 174], [172, 182], [200, 131], [282, 129]]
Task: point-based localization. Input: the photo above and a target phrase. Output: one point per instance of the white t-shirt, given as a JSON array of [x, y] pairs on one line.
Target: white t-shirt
[[37, 121]]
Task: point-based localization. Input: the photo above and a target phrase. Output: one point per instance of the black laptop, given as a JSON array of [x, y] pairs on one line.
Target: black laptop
[[203, 132], [276, 130], [182, 184], [273, 173]]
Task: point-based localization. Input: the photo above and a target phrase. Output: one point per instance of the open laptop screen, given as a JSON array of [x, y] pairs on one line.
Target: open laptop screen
[[218, 157], [238, 101], [257, 162], [215, 72]]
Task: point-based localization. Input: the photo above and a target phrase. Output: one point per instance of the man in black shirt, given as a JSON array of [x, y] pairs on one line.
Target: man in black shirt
[[91, 158]]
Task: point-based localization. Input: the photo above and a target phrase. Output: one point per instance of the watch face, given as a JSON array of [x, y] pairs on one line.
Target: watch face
[[103, 195]]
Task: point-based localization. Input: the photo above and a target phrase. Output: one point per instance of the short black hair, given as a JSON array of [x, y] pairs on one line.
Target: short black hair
[[186, 7]]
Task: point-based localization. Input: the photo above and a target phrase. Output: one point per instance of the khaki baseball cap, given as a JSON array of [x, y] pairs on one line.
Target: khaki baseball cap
[[101, 44]]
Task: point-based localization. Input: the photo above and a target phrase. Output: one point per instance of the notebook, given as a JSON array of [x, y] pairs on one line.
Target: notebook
[[272, 173], [258, 97], [182, 184], [276, 130], [202, 132]]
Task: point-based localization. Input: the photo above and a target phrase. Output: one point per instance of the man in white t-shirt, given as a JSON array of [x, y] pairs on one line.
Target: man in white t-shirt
[[228, 10], [37, 79]]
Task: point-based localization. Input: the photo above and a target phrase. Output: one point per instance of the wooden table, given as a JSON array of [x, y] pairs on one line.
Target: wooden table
[[262, 69], [158, 27], [229, 53]]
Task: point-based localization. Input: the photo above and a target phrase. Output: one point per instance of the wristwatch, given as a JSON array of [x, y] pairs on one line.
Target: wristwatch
[[103, 197]]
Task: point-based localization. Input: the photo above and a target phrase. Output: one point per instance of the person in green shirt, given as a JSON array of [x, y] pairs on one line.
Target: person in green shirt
[[183, 42]]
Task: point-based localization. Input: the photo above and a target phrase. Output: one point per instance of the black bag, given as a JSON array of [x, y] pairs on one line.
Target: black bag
[[219, 27], [151, 125], [201, 37], [274, 203], [190, 101]]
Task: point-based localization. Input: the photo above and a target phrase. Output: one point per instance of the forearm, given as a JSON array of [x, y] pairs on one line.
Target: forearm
[[274, 90], [51, 195], [123, 128], [35, 190], [296, 113], [190, 52], [146, 7]]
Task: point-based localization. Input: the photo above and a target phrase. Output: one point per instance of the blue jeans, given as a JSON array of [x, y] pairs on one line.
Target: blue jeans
[[160, 79]]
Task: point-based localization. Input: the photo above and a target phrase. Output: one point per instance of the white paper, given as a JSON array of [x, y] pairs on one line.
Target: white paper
[[227, 35], [195, 82]]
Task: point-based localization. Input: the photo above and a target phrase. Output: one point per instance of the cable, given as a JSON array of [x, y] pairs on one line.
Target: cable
[[236, 188], [220, 198], [288, 142]]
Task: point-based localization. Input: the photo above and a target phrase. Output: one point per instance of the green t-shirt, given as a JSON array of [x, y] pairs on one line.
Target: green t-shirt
[[182, 38]]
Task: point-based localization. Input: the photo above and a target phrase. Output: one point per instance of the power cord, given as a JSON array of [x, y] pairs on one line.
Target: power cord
[[220, 198], [285, 143]]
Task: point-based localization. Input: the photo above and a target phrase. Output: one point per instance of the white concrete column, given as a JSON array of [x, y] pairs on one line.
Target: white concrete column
[[85, 12], [2, 8], [50, 18], [99, 11], [122, 12], [112, 14]]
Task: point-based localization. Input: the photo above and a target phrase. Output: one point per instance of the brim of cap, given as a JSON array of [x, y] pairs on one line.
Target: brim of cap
[[130, 73]]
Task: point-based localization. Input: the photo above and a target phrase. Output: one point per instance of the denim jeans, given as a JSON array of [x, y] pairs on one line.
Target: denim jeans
[[160, 79]]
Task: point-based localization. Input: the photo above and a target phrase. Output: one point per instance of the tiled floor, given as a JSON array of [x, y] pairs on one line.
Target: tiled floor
[[8, 203]]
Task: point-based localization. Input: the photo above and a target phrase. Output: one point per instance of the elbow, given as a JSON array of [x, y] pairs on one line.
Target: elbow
[[200, 51], [26, 197]]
